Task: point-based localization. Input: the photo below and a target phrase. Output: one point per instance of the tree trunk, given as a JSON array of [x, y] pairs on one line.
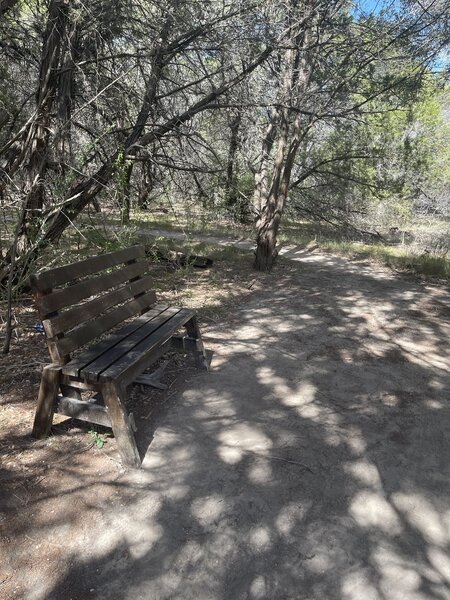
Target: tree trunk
[[66, 91], [146, 185], [261, 176], [230, 181], [270, 216], [37, 141], [266, 251], [294, 78]]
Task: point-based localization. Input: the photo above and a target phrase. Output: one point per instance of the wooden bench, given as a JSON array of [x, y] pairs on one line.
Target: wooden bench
[[78, 304]]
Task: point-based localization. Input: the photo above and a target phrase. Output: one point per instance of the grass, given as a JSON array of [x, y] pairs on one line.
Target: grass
[[190, 221], [400, 257], [397, 258], [328, 238], [103, 232]]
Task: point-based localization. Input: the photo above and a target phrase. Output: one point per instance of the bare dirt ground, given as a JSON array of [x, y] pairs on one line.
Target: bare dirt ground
[[311, 462]]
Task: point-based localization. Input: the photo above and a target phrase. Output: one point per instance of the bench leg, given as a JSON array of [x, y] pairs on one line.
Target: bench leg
[[48, 393], [193, 332], [113, 397]]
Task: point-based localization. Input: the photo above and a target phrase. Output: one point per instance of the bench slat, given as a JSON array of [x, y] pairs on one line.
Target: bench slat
[[80, 291], [134, 361], [84, 411], [74, 367], [85, 333], [89, 310], [60, 275], [117, 353]]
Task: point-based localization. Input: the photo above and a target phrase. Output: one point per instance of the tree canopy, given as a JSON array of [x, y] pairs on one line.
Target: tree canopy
[[323, 108]]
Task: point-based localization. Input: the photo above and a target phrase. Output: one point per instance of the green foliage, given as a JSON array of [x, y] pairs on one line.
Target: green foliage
[[99, 439], [411, 255], [120, 169], [396, 258], [388, 158], [114, 239], [121, 179]]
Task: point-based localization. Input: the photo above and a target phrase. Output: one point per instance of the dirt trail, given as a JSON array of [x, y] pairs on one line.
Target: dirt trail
[[311, 462]]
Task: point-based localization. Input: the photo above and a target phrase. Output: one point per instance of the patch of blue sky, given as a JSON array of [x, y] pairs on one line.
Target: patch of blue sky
[[374, 7]]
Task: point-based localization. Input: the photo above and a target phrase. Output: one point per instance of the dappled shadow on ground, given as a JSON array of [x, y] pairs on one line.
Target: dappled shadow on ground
[[311, 463]]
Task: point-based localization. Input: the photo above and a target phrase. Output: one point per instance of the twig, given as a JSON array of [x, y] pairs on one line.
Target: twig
[[22, 299], [78, 451], [293, 462], [111, 458], [43, 542]]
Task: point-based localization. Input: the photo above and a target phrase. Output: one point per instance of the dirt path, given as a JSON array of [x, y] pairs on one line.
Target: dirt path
[[311, 462]]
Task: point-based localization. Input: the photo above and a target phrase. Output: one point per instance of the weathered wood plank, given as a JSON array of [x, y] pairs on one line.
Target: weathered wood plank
[[48, 392], [70, 391], [74, 367], [61, 275], [82, 410], [89, 310], [78, 383], [184, 343], [93, 370], [113, 396], [84, 334], [151, 381], [193, 331], [78, 292], [136, 360]]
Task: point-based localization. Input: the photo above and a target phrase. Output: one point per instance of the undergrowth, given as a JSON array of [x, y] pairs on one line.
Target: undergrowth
[[397, 256], [77, 245], [394, 257]]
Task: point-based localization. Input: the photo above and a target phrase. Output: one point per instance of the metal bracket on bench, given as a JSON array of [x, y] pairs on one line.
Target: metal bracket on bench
[[184, 342]]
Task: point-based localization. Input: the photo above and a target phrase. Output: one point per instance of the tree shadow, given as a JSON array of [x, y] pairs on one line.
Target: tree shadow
[[312, 461]]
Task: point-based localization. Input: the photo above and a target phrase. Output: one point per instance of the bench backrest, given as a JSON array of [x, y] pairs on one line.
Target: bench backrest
[[81, 301]]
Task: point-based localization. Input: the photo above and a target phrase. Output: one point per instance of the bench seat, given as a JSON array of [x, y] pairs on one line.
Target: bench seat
[[121, 355]]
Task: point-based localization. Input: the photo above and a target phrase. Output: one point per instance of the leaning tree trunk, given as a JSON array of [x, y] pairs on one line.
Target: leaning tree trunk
[[84, 192]]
